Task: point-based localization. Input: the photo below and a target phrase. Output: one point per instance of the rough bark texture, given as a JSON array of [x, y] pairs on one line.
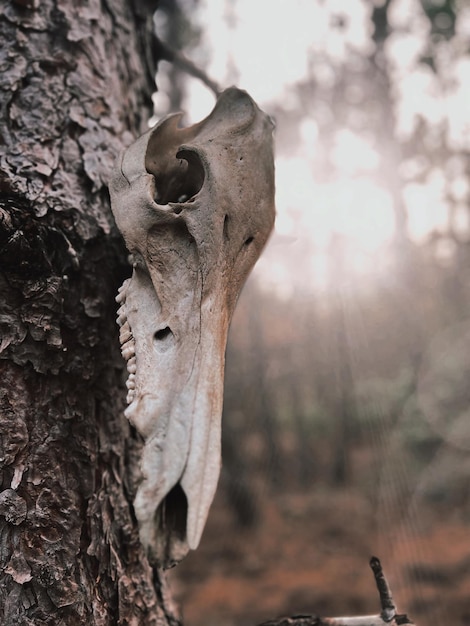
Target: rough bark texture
[[75, 86]]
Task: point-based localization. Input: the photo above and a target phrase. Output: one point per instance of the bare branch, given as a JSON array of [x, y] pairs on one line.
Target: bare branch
[[366, 620], [363, 620], [386, 601], [185, 64], [388, 616]]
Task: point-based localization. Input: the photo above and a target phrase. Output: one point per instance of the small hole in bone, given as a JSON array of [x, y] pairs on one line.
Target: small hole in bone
[[162, 334], [163, 339], [226, 220], [248, 241]]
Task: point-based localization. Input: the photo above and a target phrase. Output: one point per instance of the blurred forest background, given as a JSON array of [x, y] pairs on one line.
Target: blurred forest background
[[347, 404]]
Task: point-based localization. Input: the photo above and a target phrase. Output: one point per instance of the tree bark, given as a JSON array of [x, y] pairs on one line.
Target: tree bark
[[75, 86]]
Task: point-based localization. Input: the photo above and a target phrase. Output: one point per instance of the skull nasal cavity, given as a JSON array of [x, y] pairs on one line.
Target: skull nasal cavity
[[172, 513], [180, 179]]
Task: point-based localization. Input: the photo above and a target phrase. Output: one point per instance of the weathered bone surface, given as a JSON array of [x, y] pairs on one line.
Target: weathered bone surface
[[195, 206]]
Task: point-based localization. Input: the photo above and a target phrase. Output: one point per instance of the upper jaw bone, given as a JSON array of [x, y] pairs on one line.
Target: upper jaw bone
[[195, 206]]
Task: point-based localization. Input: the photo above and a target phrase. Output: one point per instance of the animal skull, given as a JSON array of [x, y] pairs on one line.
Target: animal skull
[[195, 206]]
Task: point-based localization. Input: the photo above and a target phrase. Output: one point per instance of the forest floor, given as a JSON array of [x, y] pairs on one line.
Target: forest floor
[[309, 552]]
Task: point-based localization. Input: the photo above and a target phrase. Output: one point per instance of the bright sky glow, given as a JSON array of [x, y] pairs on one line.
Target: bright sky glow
[[418, 87], [458, 103], [351, 206], [351, 153], [426, 203], [407, 15], [268, 57], [271, 56]]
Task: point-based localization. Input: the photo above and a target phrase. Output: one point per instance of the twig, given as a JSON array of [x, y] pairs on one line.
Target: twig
[[177, 58], [389, 609], [387, 617], [364, 620]]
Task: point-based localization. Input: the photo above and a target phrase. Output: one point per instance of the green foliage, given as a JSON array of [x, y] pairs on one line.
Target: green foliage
[[442, 16]]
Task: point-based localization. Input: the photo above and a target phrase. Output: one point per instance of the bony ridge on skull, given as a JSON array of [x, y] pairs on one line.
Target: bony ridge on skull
[[195, 206]]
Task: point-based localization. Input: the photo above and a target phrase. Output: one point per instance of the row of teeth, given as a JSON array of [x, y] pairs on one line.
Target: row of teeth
[[127, 340]]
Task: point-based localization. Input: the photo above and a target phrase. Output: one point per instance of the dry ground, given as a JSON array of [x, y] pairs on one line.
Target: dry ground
[[309, 554]]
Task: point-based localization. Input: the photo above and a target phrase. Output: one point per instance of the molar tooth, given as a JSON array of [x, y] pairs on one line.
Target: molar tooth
[[131, 367], [125, 333], [121, 315], [121, 297], [130, 383], [130, 396], [128, 343], [128, 350]]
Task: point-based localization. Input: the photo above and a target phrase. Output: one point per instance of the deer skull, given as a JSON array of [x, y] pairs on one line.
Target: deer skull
[[195, 206]]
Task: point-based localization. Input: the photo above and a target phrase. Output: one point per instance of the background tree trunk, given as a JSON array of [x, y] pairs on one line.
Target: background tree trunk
[[75, 86]]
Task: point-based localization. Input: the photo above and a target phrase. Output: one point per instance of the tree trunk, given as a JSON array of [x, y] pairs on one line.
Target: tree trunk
[[343, 403], [75, 86]]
